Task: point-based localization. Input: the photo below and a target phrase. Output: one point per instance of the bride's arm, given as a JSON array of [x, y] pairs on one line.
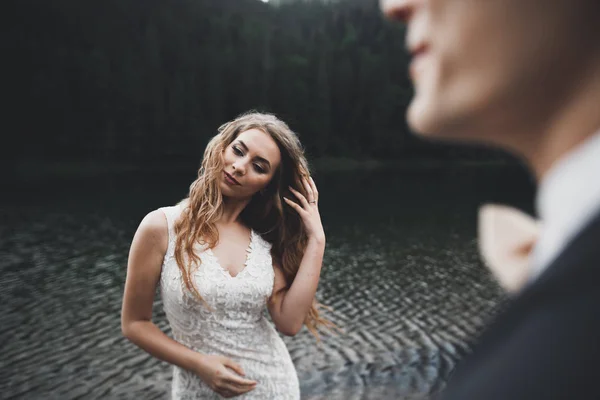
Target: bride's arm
[[144, 266], [289, 307]]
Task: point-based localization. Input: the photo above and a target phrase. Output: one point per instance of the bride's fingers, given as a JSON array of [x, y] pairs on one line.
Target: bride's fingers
[[295, 206], [300, 197], [309, 191], [314, 188]]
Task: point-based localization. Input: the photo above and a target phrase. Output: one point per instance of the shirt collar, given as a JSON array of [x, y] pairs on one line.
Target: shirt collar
[[568, 197]]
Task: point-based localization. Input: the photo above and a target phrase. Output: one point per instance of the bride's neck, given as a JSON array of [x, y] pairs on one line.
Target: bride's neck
[[232, 208]]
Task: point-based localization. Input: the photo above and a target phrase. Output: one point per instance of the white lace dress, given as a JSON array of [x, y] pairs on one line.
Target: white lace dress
[[237, 327]]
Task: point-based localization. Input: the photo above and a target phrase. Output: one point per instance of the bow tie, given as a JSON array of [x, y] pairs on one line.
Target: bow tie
[[506, 238]]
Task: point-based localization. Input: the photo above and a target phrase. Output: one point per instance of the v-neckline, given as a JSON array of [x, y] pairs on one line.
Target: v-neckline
[[248, 253]]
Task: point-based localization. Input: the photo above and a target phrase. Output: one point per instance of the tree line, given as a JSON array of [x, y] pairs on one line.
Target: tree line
[[153, 79]]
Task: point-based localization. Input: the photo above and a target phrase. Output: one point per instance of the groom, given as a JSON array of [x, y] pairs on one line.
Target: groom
[[524, 75]]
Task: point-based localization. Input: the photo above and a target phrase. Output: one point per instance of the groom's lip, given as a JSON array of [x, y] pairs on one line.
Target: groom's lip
[[418, 53], [417, 48]]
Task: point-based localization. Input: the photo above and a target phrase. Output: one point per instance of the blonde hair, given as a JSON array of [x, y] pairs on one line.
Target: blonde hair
[[281, 226]]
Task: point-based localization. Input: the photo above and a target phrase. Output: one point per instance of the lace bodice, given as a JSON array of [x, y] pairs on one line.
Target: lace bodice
[[236, 325]]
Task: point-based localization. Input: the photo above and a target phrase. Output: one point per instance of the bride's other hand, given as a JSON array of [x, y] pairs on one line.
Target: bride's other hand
[[223, 375]]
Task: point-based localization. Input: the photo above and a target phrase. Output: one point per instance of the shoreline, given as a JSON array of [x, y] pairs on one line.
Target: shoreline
[[33, 170]]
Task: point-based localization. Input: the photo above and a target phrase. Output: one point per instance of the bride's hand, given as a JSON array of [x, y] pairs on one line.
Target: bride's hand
[[222, 375], [308, 209]]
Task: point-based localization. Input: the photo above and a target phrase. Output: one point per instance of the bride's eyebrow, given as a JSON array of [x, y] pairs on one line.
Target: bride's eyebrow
[[243, 144], [258, 158]]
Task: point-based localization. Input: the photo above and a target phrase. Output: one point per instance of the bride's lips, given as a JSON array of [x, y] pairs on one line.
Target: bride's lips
[[230, 179]]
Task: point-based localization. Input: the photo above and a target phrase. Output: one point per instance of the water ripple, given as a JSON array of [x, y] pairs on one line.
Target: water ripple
[[397, 290]]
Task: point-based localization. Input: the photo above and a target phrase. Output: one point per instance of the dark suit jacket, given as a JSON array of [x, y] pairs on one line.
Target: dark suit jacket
[[546, 344]]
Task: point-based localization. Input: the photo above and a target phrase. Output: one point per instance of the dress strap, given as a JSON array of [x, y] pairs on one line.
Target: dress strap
[[171, 213]]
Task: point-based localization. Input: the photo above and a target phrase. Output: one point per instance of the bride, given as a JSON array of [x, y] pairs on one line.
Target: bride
[[248, 236]]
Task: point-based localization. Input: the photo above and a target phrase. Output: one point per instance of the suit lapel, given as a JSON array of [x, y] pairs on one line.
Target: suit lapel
[[574, 271]]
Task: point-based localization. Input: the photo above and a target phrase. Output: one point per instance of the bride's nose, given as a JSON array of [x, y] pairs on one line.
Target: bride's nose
[[239, 168]]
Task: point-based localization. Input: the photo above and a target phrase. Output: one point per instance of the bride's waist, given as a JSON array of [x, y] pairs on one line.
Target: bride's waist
[[217, 328], [232, 342], [238, 327]]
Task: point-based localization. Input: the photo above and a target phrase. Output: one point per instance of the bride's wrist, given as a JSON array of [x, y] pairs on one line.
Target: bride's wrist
[[317, 239], [198, 363]]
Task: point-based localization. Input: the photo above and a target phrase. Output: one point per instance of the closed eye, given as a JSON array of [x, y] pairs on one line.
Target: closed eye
[[237, 151], [258, 168]]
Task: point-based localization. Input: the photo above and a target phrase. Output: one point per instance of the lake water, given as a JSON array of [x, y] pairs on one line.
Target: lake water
[[401, 273]]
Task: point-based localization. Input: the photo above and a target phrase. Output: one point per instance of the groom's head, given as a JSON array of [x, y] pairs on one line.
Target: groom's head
[[495, 70]]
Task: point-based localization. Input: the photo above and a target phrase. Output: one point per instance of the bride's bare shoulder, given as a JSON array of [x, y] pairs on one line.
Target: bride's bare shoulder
[[154, 229]]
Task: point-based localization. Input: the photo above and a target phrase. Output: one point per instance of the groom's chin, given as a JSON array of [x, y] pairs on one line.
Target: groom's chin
[[434, 122], [424, 121]]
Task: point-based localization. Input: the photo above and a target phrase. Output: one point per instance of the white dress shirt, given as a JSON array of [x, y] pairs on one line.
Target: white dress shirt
[[568, 198]]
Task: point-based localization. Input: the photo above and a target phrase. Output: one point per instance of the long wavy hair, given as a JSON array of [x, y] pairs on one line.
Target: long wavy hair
[[281, 226]]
